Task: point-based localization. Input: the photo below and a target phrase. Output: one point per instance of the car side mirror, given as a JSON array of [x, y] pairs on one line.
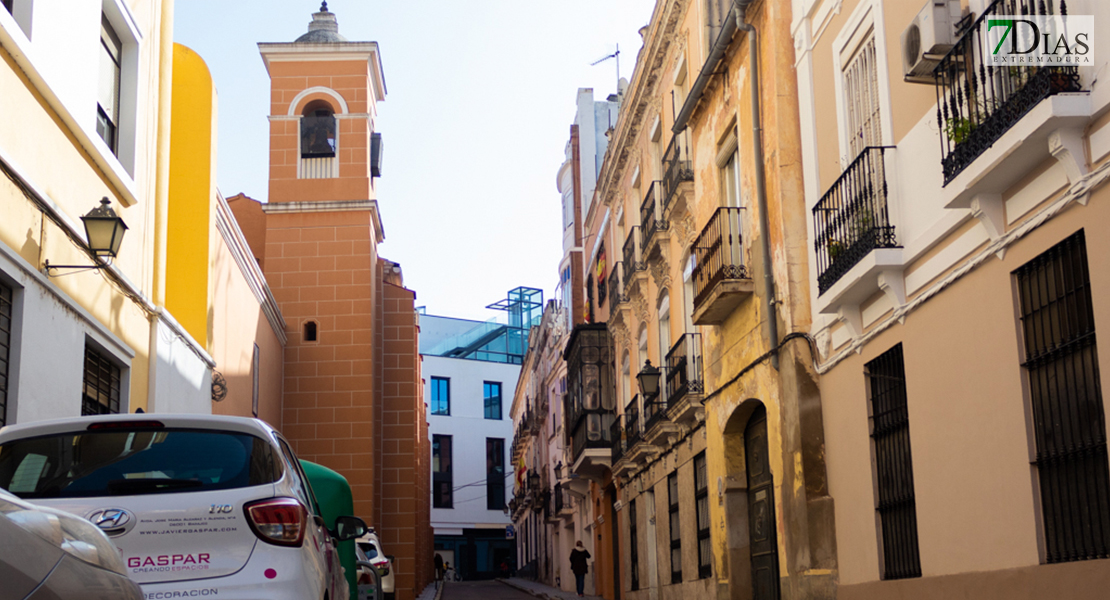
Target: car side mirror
[[349, 528]]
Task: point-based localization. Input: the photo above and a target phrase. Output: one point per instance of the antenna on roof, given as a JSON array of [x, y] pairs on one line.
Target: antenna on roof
[[616, 55]]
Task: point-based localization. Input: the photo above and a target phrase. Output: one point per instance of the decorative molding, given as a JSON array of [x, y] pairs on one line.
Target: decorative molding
[[319, 89], [1066, 146], [991, 212], [893, 284]]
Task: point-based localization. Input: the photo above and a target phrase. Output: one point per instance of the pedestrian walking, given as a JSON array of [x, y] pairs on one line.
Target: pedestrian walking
[[579, 566], [438, 562]]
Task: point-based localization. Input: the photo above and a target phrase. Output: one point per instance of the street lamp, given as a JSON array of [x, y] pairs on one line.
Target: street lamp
[[104, 231], [649, 380], [534, 480]]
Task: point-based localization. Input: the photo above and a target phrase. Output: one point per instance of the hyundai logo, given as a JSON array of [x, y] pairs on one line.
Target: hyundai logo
[[112, 521]]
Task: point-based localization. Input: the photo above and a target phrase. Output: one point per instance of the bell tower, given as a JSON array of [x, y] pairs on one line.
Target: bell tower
[[324, 92]]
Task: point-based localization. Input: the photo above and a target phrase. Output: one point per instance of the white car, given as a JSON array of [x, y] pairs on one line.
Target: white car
[[197, 505], [369, 549]]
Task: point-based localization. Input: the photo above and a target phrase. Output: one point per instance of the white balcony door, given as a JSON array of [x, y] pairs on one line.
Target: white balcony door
[[861, 91]]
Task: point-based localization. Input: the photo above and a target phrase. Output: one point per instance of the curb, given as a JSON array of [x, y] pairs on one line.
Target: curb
[[541, 595], [439, 590]]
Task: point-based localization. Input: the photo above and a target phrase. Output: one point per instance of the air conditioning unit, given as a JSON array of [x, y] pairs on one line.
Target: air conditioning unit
[[928, 38]]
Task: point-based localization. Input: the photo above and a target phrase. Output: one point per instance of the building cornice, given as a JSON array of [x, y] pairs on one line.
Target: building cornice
[[331, 52], [256, 280], [316, 206], [640, 96]]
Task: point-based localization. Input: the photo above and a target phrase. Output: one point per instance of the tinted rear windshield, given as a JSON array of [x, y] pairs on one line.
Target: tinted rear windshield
[[134, 462], [368, 549]]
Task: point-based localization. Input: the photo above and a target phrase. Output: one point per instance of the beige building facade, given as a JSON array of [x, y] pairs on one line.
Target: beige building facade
[[715, 467], [957, 219]]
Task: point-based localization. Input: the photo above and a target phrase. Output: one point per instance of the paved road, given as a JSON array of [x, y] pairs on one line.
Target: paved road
[[483, 590]]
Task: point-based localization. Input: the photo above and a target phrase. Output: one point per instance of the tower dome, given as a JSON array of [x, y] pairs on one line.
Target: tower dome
[[323, 29]]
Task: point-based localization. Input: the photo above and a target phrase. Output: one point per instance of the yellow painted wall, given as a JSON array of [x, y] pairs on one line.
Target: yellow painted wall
[[191, 214]]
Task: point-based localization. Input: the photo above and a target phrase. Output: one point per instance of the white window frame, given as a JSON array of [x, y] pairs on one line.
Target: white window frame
[[124, 25], [865, 21], [21, 14]]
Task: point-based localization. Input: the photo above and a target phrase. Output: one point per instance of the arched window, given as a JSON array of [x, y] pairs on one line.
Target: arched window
[[318, 130]]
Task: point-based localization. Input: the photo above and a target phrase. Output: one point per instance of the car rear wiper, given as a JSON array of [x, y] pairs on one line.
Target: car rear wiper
[[122, 487]]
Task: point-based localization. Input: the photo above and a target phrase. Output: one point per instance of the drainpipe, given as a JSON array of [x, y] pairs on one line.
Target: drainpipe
[[760, 181], [161, 195]]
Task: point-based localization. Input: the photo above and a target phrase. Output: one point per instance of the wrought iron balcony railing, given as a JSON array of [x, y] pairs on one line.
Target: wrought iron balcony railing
[[852, 218], [633, 427], [977, 101], [633, 257], [616, 285], [684, 368], [719, 252], [651, 213], [677, 168], [616, 433], [655, 409]]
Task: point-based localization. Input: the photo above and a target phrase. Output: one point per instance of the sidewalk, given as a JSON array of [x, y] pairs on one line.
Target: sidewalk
[[542, 591]]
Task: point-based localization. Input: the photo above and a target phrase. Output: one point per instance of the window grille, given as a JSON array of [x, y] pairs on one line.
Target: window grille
[[101, 386], [1069, 426], [5, 348], [676, 528], [701, 494], [890, 432], [861, 87], [633, 547]]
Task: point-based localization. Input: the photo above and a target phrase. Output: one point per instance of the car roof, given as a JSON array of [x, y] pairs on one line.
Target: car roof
[[256, 427]]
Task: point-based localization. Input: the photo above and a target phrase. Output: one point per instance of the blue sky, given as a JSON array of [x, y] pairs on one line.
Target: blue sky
[[481, 97]]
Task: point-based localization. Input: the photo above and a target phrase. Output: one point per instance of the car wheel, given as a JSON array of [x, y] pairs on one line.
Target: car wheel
[[389, 595]]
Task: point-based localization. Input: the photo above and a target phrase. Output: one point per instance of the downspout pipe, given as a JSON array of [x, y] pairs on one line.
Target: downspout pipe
[[760, 179], [730, 27], [707, 70]]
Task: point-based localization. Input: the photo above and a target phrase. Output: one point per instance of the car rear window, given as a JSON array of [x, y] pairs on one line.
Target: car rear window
[[134, 462], [368, 549]]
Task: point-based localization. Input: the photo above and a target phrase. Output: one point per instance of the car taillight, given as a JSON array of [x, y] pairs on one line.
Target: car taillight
[[278, 521], [383, 567]]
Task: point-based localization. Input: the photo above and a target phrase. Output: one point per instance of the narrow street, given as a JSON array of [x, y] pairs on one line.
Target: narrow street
[[483, 590]]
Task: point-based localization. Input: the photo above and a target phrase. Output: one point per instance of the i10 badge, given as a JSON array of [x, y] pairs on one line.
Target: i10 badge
[[219, 509]]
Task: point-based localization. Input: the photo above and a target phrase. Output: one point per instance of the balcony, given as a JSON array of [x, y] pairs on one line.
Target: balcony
[[978, 103], [852, 218], [633, 428], [685, 383], [616, 286], [721, 278], [653, 225], [678, 174], [590, 406], [635, 268], [564, 502]]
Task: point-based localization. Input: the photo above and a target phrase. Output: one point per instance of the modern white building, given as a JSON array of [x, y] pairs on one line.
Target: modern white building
[[470, 370]]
